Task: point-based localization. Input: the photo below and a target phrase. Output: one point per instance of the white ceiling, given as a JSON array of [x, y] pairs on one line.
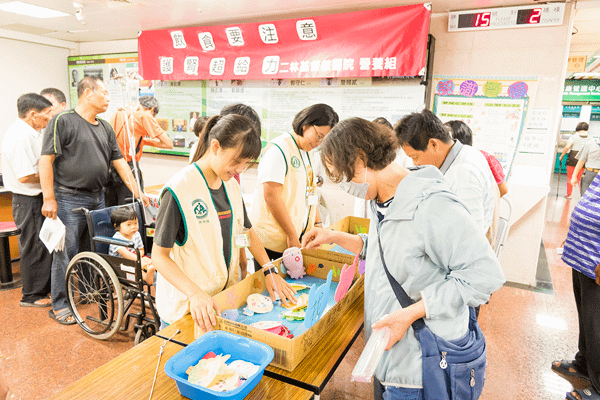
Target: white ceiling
[[122, 19]]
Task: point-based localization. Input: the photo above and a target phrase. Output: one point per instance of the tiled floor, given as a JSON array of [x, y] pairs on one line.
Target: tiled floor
[[525, 330]]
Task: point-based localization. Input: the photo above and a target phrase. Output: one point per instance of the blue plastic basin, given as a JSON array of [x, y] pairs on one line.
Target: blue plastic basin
[[239, 347]]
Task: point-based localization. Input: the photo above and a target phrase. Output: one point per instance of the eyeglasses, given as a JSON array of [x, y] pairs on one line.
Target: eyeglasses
[[320, 136]]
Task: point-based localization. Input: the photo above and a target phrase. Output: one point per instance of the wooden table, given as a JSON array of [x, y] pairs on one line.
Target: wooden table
[[316, 369], [130, 376]]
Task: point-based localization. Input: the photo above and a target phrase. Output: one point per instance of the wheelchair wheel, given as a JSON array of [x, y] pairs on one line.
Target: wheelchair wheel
[[94, 294], [144, 333]]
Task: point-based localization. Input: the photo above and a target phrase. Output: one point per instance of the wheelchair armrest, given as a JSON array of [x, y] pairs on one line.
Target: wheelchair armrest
[[116, 242], [80, 209]]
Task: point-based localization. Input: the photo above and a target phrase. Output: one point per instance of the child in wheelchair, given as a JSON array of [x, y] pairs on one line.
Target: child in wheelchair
[[125, 222]]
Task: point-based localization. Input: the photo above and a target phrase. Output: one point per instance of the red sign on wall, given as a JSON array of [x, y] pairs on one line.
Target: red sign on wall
[[384, 42]]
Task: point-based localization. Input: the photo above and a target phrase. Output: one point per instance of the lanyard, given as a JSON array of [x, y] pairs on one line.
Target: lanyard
[[307, 168]]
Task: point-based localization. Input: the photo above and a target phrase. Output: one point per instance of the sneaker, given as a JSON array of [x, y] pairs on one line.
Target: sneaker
[[568, 197]]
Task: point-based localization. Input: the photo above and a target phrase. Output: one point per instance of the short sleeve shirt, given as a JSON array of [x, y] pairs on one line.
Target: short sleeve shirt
[[170, 226], [83, 151], [144, 125], [272, 166], [113, 250], [495, 167], [21, 148], [590, 154]]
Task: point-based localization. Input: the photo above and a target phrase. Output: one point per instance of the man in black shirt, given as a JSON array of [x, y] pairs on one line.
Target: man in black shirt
[[77, 151]]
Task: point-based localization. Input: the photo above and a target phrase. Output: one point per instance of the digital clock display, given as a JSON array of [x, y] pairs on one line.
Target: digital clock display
[[531, 16], [474, 20], [507, 17]]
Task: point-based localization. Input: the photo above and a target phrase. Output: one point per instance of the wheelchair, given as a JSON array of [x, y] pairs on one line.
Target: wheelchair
[[101, 288]]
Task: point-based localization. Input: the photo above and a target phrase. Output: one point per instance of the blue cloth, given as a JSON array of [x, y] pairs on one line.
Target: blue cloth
[[76, 227], [436, 251], [400, 393], [113, 249], [582, 247]]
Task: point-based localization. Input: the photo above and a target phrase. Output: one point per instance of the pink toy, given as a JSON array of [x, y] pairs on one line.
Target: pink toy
[[292, 260], [345, 281]]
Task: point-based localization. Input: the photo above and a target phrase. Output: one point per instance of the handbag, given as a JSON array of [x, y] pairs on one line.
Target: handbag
[[452, 369]]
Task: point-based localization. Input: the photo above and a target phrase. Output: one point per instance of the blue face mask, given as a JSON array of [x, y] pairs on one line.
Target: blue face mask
[[356, 189]]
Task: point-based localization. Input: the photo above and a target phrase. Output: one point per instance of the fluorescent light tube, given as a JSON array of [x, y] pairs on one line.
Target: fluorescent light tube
[[30, 10]]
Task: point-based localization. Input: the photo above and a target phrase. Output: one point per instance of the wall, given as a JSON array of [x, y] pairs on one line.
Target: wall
[[28, 67], [538, 52]]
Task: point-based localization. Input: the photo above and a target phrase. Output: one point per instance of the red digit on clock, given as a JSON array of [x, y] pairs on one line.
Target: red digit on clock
[[485, 19], [535, 16]]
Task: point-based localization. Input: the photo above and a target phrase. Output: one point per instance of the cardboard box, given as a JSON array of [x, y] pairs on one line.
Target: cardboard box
[[353, 225], [289, 352]]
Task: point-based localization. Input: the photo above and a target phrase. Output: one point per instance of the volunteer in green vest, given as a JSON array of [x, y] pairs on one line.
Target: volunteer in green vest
[[202, 222], [285, 199]]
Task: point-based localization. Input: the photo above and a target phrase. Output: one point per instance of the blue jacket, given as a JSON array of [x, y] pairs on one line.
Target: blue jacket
[[435, 250]]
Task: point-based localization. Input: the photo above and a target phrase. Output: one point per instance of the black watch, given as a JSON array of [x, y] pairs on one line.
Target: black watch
[[272, 269]]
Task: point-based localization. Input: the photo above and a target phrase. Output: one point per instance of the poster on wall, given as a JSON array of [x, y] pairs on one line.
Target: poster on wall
[[277, 101], [495, 109], [119, 72]]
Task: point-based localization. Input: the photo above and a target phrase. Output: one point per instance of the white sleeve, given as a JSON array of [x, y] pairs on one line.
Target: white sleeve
[[272, 166], [23, 159]]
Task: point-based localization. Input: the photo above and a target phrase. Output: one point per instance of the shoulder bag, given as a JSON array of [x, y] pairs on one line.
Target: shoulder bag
[[452, 369]]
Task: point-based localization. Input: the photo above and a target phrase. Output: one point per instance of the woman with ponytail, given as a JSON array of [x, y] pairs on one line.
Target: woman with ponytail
[[201, 222]]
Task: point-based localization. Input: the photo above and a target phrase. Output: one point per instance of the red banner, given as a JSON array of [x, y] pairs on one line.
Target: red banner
[[384, 42]]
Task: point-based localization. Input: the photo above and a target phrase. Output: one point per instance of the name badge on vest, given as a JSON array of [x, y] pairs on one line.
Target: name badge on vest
[[241, 239]]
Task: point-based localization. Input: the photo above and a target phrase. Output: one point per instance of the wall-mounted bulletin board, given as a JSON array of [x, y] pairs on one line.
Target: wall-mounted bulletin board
[[495, 108], [277, 101], [119, 72]]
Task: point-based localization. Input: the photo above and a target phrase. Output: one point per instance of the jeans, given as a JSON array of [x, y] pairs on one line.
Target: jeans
[[77, 235], [395, 393], [36, 261]]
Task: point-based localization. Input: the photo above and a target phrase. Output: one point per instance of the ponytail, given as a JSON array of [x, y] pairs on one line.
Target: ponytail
[[204, 137], [231, 131]]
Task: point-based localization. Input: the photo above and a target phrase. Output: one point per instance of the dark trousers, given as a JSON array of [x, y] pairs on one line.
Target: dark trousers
[[36, 261], [587, 299], [586, 180], [273, 255], [116, 192]]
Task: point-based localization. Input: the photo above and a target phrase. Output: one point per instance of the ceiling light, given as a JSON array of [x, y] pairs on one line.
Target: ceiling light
[[30, 10]]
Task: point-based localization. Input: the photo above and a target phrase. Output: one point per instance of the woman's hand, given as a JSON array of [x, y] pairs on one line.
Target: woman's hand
[[284, 290], [315, 238], [202, 308], [400, 320], [574, 181]]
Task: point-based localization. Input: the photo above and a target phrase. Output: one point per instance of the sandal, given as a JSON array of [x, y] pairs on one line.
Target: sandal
[[585, 394], [62, 317], [567, 368], [36, 303]]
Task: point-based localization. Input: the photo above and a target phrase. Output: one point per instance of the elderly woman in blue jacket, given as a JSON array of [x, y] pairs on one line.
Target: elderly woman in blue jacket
[[431, 244]]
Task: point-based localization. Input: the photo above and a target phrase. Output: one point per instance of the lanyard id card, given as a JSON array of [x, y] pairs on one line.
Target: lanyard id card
[[242, 239]]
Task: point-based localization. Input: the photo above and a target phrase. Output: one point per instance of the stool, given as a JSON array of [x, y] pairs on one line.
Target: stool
[[7, 229]]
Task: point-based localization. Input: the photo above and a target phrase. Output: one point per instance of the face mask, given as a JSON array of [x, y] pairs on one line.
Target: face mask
[[356, 189]]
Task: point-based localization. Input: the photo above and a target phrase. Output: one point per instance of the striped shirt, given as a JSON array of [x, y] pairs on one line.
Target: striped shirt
[[582, 247]]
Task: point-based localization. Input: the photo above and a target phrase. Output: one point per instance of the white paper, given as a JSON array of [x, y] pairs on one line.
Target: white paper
[[52, 234]]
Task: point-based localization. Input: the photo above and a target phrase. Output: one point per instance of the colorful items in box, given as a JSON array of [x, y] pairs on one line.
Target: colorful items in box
[[292, 260], [275, 327], [317, 301], [213, 373], [259, 303]]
